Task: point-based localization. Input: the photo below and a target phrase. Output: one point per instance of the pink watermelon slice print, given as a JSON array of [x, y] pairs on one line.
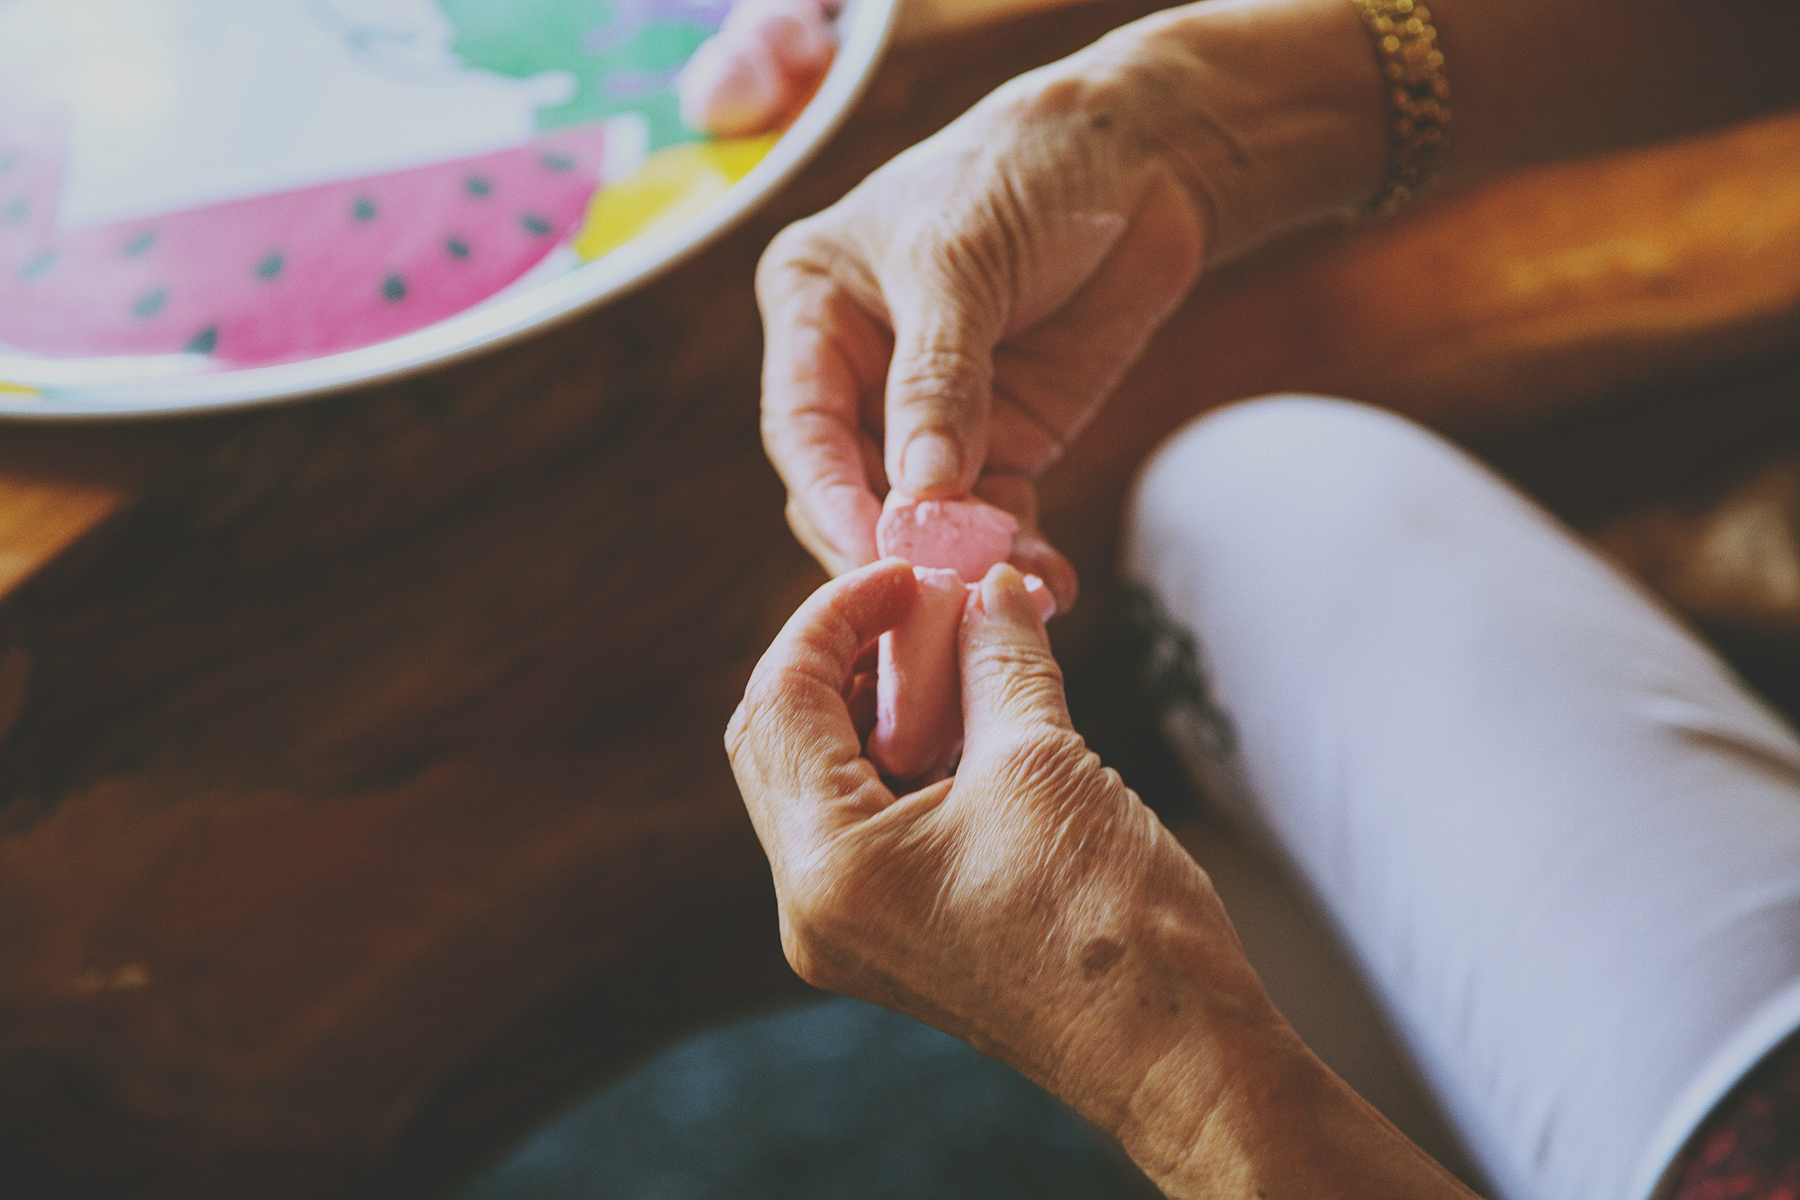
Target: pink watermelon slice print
[[289, 275]]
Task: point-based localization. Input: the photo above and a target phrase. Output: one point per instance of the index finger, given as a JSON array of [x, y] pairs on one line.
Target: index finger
[[824, 362], [792, 743]]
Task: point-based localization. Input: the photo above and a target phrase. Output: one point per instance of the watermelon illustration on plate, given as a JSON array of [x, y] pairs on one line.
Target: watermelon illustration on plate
[[208, 202], [280, 181], [302, 272]]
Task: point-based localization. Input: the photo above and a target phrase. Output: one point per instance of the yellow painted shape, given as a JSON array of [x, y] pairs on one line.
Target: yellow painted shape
[[16, 389], [670, 186]]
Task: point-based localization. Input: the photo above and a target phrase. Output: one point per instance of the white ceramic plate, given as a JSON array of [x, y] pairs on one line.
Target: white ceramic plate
[[208, 203]]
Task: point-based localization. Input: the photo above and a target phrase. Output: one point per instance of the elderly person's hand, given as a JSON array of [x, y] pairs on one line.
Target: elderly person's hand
[[953, 324], [1034, 907], [994, 903]]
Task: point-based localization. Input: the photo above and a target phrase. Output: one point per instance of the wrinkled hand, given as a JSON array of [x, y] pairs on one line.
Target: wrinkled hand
[[1009, 904], [954, 322], [1033, 907]]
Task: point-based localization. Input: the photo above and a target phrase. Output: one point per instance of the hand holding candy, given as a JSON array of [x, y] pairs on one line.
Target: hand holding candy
[[918, 690]]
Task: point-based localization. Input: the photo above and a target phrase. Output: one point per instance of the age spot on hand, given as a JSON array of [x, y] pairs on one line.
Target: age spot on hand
[[1100, 956]]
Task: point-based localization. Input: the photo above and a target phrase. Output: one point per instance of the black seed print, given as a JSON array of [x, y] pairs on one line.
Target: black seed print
[[150, 303]]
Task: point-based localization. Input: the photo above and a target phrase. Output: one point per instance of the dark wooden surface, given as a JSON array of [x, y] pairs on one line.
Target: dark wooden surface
[[362, 793]]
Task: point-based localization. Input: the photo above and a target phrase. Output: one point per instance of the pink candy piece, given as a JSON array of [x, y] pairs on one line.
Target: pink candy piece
[[918, 687], [967, 536], [759, 68], [918, 684]]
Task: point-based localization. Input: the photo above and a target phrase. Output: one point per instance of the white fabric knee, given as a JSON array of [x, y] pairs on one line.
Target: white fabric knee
[[1560, 838]]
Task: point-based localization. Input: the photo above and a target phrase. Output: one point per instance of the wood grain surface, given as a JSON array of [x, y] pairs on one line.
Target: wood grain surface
[[362, 792]]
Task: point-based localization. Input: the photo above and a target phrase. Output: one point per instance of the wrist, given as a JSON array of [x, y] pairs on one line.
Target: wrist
[[1163, 1037], [1272, 112], [1153, 996], [1271, 1119]]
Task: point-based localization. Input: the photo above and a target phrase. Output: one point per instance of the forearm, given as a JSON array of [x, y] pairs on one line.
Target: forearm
[[1178, 1052], [1268, 112], [1282, 1126]]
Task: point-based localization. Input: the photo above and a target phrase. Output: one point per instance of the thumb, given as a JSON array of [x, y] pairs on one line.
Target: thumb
[[939, 387], [1011, 683]]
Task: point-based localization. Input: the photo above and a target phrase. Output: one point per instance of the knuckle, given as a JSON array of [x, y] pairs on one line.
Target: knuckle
[[803, 960], [969, 253], [833, 901], [1041, 756], [814, 961], [799, 243], [809, 250], [814, 934], [1022, 672], [766, 698], [936, 370]]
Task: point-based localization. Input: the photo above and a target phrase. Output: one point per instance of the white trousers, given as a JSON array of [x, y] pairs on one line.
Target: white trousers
[[1558, 836]]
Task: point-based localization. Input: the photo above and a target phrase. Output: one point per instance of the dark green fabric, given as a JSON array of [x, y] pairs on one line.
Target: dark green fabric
[[833, 1101]]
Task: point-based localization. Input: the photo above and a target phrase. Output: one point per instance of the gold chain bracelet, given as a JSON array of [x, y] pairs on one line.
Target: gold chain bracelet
[[1418, 98]]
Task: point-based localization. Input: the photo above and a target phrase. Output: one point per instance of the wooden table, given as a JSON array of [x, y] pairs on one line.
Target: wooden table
[[361, 785]]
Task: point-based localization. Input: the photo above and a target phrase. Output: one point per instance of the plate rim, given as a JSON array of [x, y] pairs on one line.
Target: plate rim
[[866, 27]]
